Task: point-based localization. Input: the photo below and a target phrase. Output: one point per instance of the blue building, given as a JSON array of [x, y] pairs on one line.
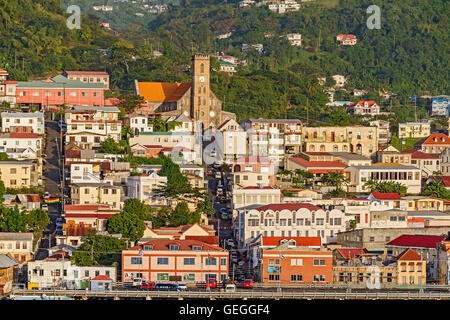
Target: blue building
[[440, 106], [101, 283]]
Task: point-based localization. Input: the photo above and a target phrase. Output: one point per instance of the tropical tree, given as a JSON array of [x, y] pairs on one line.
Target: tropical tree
[[109, 146], [437, 189], [98, 250], [386, 187], [334, 178], [128, 224]]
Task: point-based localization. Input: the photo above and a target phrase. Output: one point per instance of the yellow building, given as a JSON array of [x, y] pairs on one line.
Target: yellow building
[[8, 267], [411, 269], [413, 130], [96, 193], [15, 174], [360, 140]]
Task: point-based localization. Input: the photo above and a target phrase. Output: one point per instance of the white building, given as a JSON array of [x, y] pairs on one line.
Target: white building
[[88, 126], [284, 6], [142, 187], [289, 220], [30, 122], [259, 195], [137, 122], [234, 140], [59, 271], [409, 176], [85, 173], [21, 145], [274, 138], [295, 39]]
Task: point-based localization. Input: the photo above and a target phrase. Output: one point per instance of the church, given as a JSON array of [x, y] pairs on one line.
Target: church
[[194, 99]]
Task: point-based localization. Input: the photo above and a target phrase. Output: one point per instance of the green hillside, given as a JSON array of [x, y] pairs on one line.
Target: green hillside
[[35, 40]]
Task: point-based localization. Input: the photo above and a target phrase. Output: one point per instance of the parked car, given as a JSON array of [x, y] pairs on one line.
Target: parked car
[[59, 221], [209, 172], [246, 283], [46, 194], [137, 282], [230, 288], [230, 242], [211, 283], [166, 287], [182, 285], [147, 285], [44, 206]]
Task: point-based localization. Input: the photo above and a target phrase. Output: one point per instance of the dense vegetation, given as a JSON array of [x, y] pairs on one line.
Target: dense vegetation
[[409, 55]]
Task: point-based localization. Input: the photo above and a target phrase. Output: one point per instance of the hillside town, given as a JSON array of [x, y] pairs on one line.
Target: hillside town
[[167, 188]]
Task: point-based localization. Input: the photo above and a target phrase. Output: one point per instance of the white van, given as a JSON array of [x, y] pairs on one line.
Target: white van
[[230, 288]]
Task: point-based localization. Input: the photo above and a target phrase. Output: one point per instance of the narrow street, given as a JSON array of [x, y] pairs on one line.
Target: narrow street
[[52, 174]]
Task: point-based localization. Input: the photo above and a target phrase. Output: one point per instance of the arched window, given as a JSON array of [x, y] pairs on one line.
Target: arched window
[[312, 148], [322, 148], [202, 68]]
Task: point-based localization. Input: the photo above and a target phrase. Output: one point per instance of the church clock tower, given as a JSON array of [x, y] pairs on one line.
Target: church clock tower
[[200, 91]]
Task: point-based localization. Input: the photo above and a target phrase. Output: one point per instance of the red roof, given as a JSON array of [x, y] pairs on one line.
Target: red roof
[[415, 154], [319, 164], [223, 124], [86, 73], [214, 240], [257, 187], [288, 206], [3, 72], [163, 244], [22, 135], [417, 241], [409, 254], [301, 241], [386, 196], [325, 170], [101, 278], [361, 103], [350, 253], [90, 215], [84, 207], [440, 139]]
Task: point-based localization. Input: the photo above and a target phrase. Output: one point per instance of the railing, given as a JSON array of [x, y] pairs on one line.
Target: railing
[[241, 294]]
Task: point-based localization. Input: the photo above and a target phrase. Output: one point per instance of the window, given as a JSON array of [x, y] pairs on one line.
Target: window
[[135, 260], [300, 222], [296, 262], [197, 248], [319, 221], [73, 94], [210, 261], [223, 261], [173, 247], [97, 273], [189, 261], [189, 277], [86, 273], [274, 277], [162, 276], [163, 261]]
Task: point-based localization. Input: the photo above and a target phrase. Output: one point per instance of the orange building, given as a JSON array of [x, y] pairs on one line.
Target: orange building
[[287, 264], [163, 260]]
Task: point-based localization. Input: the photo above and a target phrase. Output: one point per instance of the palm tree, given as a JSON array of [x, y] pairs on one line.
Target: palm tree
[[334, 178], [371, 184]]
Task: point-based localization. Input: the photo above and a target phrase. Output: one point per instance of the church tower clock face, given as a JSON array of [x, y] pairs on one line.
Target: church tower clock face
[[202, 79], [212, 114]]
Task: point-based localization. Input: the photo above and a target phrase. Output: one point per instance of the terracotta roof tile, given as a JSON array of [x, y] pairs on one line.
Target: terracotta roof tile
[[162, 91], [409, 254], [288, 206], [386, 196], [418, 241]]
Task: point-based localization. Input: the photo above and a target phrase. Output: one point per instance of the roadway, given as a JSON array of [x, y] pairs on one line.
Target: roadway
[[52, 181], [240, 294]]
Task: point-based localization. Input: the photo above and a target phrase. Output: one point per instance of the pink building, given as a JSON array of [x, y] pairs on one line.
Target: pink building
[[253, 171], [163, 260], [59, 91]]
